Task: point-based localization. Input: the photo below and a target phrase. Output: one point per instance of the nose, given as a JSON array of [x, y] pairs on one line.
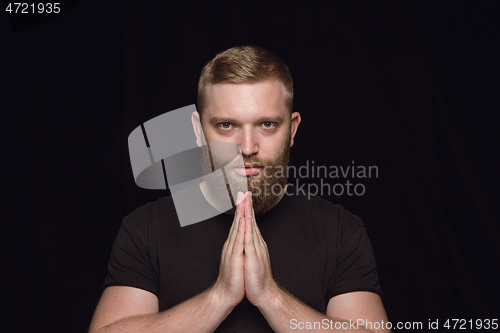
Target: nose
[[248, 145]]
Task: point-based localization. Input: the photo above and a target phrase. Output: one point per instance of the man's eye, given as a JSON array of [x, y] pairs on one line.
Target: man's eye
[[225, 125], [268, 124]]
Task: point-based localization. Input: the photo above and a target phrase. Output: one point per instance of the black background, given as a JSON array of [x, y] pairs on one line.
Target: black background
[[409, 86]]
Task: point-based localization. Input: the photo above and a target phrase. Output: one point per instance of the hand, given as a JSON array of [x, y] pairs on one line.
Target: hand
[[259, 283], [230, 283]]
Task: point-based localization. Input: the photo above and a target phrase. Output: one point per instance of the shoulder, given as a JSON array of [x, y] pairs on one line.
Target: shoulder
[[148, 217], [152, 209]]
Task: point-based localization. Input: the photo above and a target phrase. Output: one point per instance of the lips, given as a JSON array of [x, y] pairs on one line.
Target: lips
[[249, 169]]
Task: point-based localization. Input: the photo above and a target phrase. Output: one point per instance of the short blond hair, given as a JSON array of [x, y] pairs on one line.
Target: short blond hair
[[244, 64]]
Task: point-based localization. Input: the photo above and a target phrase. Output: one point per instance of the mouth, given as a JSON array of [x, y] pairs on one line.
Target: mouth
[[249, 169]]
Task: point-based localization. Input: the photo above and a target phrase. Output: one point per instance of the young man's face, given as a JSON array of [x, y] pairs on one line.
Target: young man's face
[[254, 117]]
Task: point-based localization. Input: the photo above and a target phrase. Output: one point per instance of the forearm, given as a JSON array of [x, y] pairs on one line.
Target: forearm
[[285, 313], [202, 313]]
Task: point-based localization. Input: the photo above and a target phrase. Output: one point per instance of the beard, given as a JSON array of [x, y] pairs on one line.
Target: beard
[[266, 187]]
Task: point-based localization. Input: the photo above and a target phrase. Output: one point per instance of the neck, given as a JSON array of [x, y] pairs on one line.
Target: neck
[[213, 200]]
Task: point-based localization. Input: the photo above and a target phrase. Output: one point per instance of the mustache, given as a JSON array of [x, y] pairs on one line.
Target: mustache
[[246, 160]]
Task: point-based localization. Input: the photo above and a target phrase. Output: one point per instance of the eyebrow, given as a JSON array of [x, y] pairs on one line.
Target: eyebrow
[[274, 119]]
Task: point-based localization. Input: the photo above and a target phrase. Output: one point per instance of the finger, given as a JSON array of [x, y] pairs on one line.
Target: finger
[[228, 245], [253, 211], [250, 248], [233, 232], [229, 240], [240, 239], [238, 208], [248, 204], [240, 198], [241, 204], [255, 228], [237, 214]]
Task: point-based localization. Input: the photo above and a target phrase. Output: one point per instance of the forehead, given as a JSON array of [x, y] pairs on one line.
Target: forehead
[[245, 101]]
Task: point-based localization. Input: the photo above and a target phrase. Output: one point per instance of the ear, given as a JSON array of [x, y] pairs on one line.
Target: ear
[[294, 126], [198, 131]]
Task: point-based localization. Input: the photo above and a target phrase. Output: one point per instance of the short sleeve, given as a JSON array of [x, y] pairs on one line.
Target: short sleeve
[[356, 266], [130, 262]]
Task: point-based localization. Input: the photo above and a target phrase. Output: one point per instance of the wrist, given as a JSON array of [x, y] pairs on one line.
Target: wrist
[[220, 299], [272, 298]]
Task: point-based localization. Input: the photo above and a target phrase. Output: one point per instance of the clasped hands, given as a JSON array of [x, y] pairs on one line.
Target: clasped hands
[[245, 266]]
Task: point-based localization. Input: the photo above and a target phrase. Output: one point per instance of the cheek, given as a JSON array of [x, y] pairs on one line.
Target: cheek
[[211, 135], [269, 148]]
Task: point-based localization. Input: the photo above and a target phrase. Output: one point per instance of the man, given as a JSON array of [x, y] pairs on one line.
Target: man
[[288, 263]]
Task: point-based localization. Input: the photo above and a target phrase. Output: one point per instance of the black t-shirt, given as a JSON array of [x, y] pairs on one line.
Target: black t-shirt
[[318, 250]]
